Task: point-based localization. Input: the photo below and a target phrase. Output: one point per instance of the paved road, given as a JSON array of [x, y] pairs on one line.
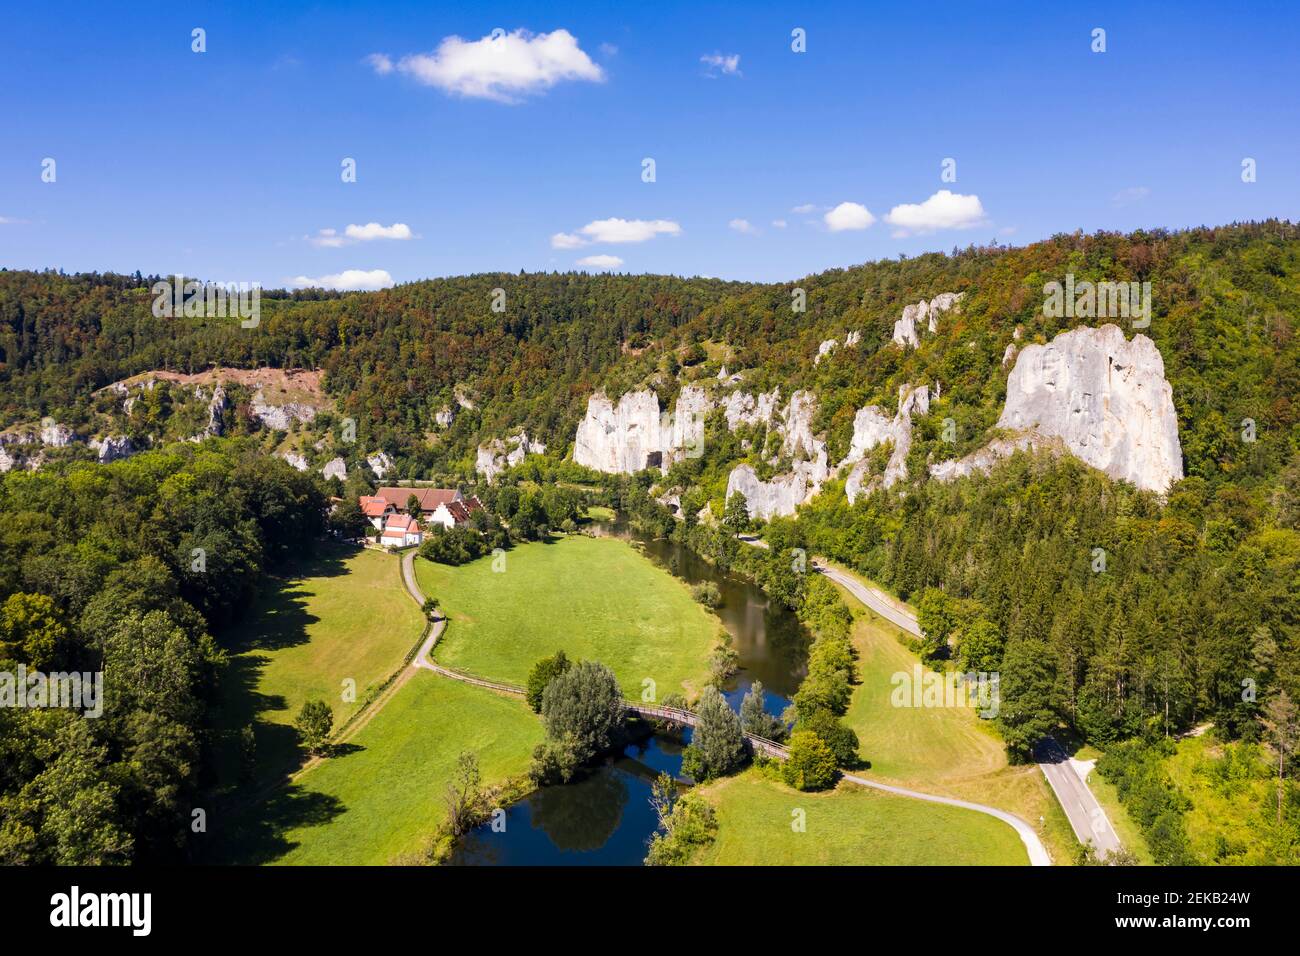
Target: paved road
[[877, 600], [1086, 816]]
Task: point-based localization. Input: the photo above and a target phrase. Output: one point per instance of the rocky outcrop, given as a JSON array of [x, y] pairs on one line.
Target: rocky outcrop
[[379, 463], [294, 459], [279, 417], [113, 448], [1106, 398], [996, 450], [1009, 355], [496, 455], [444, 416], [632, 435], [766, 499], [871, 428], [852, 339], [335, 468], [741, 408], [56, 435], [906, 329], [825, 349]]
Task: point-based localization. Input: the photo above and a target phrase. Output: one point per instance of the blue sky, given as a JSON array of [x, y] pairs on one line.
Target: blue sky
[[226, 164]]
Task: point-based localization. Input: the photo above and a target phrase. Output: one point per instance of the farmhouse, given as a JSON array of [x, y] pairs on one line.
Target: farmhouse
[[376, 509], [456, 512], [401, 531], [430, 498]]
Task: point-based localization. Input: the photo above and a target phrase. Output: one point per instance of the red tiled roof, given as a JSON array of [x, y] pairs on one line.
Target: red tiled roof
[[400, 524], [374, 507], [429, 498]]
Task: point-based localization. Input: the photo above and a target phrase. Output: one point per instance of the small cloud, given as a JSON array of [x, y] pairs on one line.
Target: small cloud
[[373, 230], [804, 209], [608, 49], [848, 216], [349, 280], [721, 64], [601, 262], [330, 238], [566, 240], [10, 221], [1126, 197], [742, 226], [629, 230], [943, 210], [779, 223], [380, 63], [501, 66]]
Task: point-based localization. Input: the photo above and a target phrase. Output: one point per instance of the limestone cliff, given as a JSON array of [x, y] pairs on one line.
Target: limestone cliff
[[633, 435], [1103, 397], [906, 329], [496, 455], [872, 428]]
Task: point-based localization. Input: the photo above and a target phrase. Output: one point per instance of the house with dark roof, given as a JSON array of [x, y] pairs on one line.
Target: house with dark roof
[[457, 512]]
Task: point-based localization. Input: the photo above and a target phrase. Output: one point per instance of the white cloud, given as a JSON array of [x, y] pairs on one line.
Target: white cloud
[[373, 230], [10, 221], [629, 230], [804, 209], [330, 238], [601, 262], [718, 64], [380, 63], [943, 210], [742, 226], [566, 240], [779, 223], [1131, 195], [848, 215], [504, 67], [349, 280]]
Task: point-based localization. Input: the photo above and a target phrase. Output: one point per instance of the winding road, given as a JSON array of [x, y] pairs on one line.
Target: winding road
[[1038, 855]]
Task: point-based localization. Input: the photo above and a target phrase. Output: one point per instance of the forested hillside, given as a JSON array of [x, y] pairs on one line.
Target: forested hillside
[[1192, 614]]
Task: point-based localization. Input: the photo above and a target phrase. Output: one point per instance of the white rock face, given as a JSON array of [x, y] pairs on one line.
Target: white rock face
[[444, 416], [1009, 355], [741, 408], [8, 461], [335, 468], [379, 463], [294, 459], [496, 455], [825, 349], [852, 339], [632, 435], [56, 435], [905, 329], [113, 448], [279, 417], [765, 499], [1106, 398], [872, 428]]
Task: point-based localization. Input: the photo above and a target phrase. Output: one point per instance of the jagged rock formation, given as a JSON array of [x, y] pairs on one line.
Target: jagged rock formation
[[496, 456], [1009, 355], [1103, 399], [985, 458], [444, 416], [335, 468], [741, 408], [379, 463], [294, 459], [871, 428], [632, 435], [113, 448], [765, 499], [852, 339], [905, 329], [56, 435], [825, 349], [279, 417]]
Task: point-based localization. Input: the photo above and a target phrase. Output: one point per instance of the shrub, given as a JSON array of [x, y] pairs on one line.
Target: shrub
[[811, 765], [543, 672], [708, 594], [839, 739]]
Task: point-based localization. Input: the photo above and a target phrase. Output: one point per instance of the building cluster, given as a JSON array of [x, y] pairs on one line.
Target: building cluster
[[389, 511]]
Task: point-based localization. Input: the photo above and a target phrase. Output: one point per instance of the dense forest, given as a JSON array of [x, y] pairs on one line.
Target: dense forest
[[1192, 614]]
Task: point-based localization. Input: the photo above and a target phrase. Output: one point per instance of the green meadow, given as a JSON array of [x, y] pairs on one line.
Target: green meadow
[[594, 598]]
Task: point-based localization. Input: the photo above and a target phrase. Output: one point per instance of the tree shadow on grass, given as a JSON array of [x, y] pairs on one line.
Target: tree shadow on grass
[[258, 835]]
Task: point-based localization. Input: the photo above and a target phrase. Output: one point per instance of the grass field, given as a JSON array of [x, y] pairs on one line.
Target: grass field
[[948, 751], [383, 796], [593, 598], [849, 826], [343, 615]]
